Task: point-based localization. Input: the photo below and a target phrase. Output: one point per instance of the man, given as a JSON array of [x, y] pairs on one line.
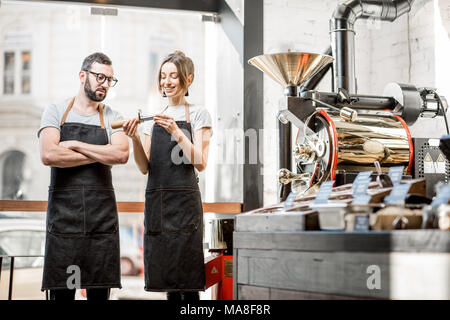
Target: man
[[77, 141]]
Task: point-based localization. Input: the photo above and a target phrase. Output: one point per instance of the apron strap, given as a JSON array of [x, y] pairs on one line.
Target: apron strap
[[164, 110], [69, 107], [100, 107], [186, 110], [67, 111]]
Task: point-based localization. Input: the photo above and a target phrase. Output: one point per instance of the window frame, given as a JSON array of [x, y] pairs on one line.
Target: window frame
[[18, 72]]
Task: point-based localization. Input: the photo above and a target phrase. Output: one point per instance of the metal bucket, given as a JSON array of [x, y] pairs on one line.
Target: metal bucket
[[221, 232]]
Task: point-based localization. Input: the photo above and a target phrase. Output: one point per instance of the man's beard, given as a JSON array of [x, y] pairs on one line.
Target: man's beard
[[91, 94]]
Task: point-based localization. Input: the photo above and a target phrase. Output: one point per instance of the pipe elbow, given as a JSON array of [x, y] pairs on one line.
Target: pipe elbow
[[402, 7], [347, 13]]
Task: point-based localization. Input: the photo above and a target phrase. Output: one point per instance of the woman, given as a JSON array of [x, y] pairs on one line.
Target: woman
[[175, 146]]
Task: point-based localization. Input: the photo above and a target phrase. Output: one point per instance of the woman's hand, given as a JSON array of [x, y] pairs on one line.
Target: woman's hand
[[130, 128], [166, 122]]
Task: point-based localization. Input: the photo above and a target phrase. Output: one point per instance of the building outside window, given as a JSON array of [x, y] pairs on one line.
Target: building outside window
[[17, 72], [26, 72], [12, 165], [8, 73]]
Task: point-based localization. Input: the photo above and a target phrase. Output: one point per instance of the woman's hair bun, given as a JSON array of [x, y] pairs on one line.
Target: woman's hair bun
[[178, 52]]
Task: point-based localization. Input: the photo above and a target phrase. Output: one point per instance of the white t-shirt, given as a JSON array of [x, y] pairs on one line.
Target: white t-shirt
[[53, 114], [199, 117]]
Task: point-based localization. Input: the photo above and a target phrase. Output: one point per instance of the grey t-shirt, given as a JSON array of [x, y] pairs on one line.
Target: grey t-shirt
[[53, 114], [198, 115]]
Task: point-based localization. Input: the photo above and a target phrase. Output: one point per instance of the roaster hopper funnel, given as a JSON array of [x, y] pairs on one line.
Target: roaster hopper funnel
[[291, 68]]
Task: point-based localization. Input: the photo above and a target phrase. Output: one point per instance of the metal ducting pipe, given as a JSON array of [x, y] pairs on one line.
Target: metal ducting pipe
[[343, 34]]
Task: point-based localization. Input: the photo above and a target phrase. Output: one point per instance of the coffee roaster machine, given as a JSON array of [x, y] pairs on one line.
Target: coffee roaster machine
[[342, 133]]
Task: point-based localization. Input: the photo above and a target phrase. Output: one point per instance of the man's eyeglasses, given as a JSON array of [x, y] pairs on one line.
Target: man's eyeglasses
[[101, 78]]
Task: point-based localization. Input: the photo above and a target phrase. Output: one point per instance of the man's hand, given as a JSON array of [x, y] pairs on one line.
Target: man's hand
[[113, 153], [69, 144]]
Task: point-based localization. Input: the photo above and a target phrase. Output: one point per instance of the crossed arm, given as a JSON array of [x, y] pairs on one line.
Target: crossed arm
[[74, 153]]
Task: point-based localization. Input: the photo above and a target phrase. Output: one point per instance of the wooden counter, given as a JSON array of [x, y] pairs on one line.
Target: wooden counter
[[272, 263]]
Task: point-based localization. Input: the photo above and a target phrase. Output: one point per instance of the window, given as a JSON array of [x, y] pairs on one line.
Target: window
[[41, 58], [8, 80], [26, 75], [12, 175], [23, 242], [17, 76]]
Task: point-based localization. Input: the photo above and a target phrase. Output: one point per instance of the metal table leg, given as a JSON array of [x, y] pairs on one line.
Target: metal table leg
[[11, 277]]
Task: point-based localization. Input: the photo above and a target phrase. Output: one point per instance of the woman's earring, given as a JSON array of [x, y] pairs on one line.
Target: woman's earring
[[187, 94], [164, 94]]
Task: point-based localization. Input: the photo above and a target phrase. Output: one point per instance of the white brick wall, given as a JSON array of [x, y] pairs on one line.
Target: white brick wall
[[381, 54], [299, 25], [390, 50]]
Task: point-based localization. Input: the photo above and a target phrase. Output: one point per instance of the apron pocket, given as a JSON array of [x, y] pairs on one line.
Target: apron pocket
[[65, 211], [181, 210], [152, 214], [101, 211]]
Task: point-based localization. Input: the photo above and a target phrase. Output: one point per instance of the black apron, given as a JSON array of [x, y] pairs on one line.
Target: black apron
[[173, 241], [82, 220]]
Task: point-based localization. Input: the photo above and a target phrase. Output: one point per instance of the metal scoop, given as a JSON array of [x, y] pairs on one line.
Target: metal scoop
[[383, 180]]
